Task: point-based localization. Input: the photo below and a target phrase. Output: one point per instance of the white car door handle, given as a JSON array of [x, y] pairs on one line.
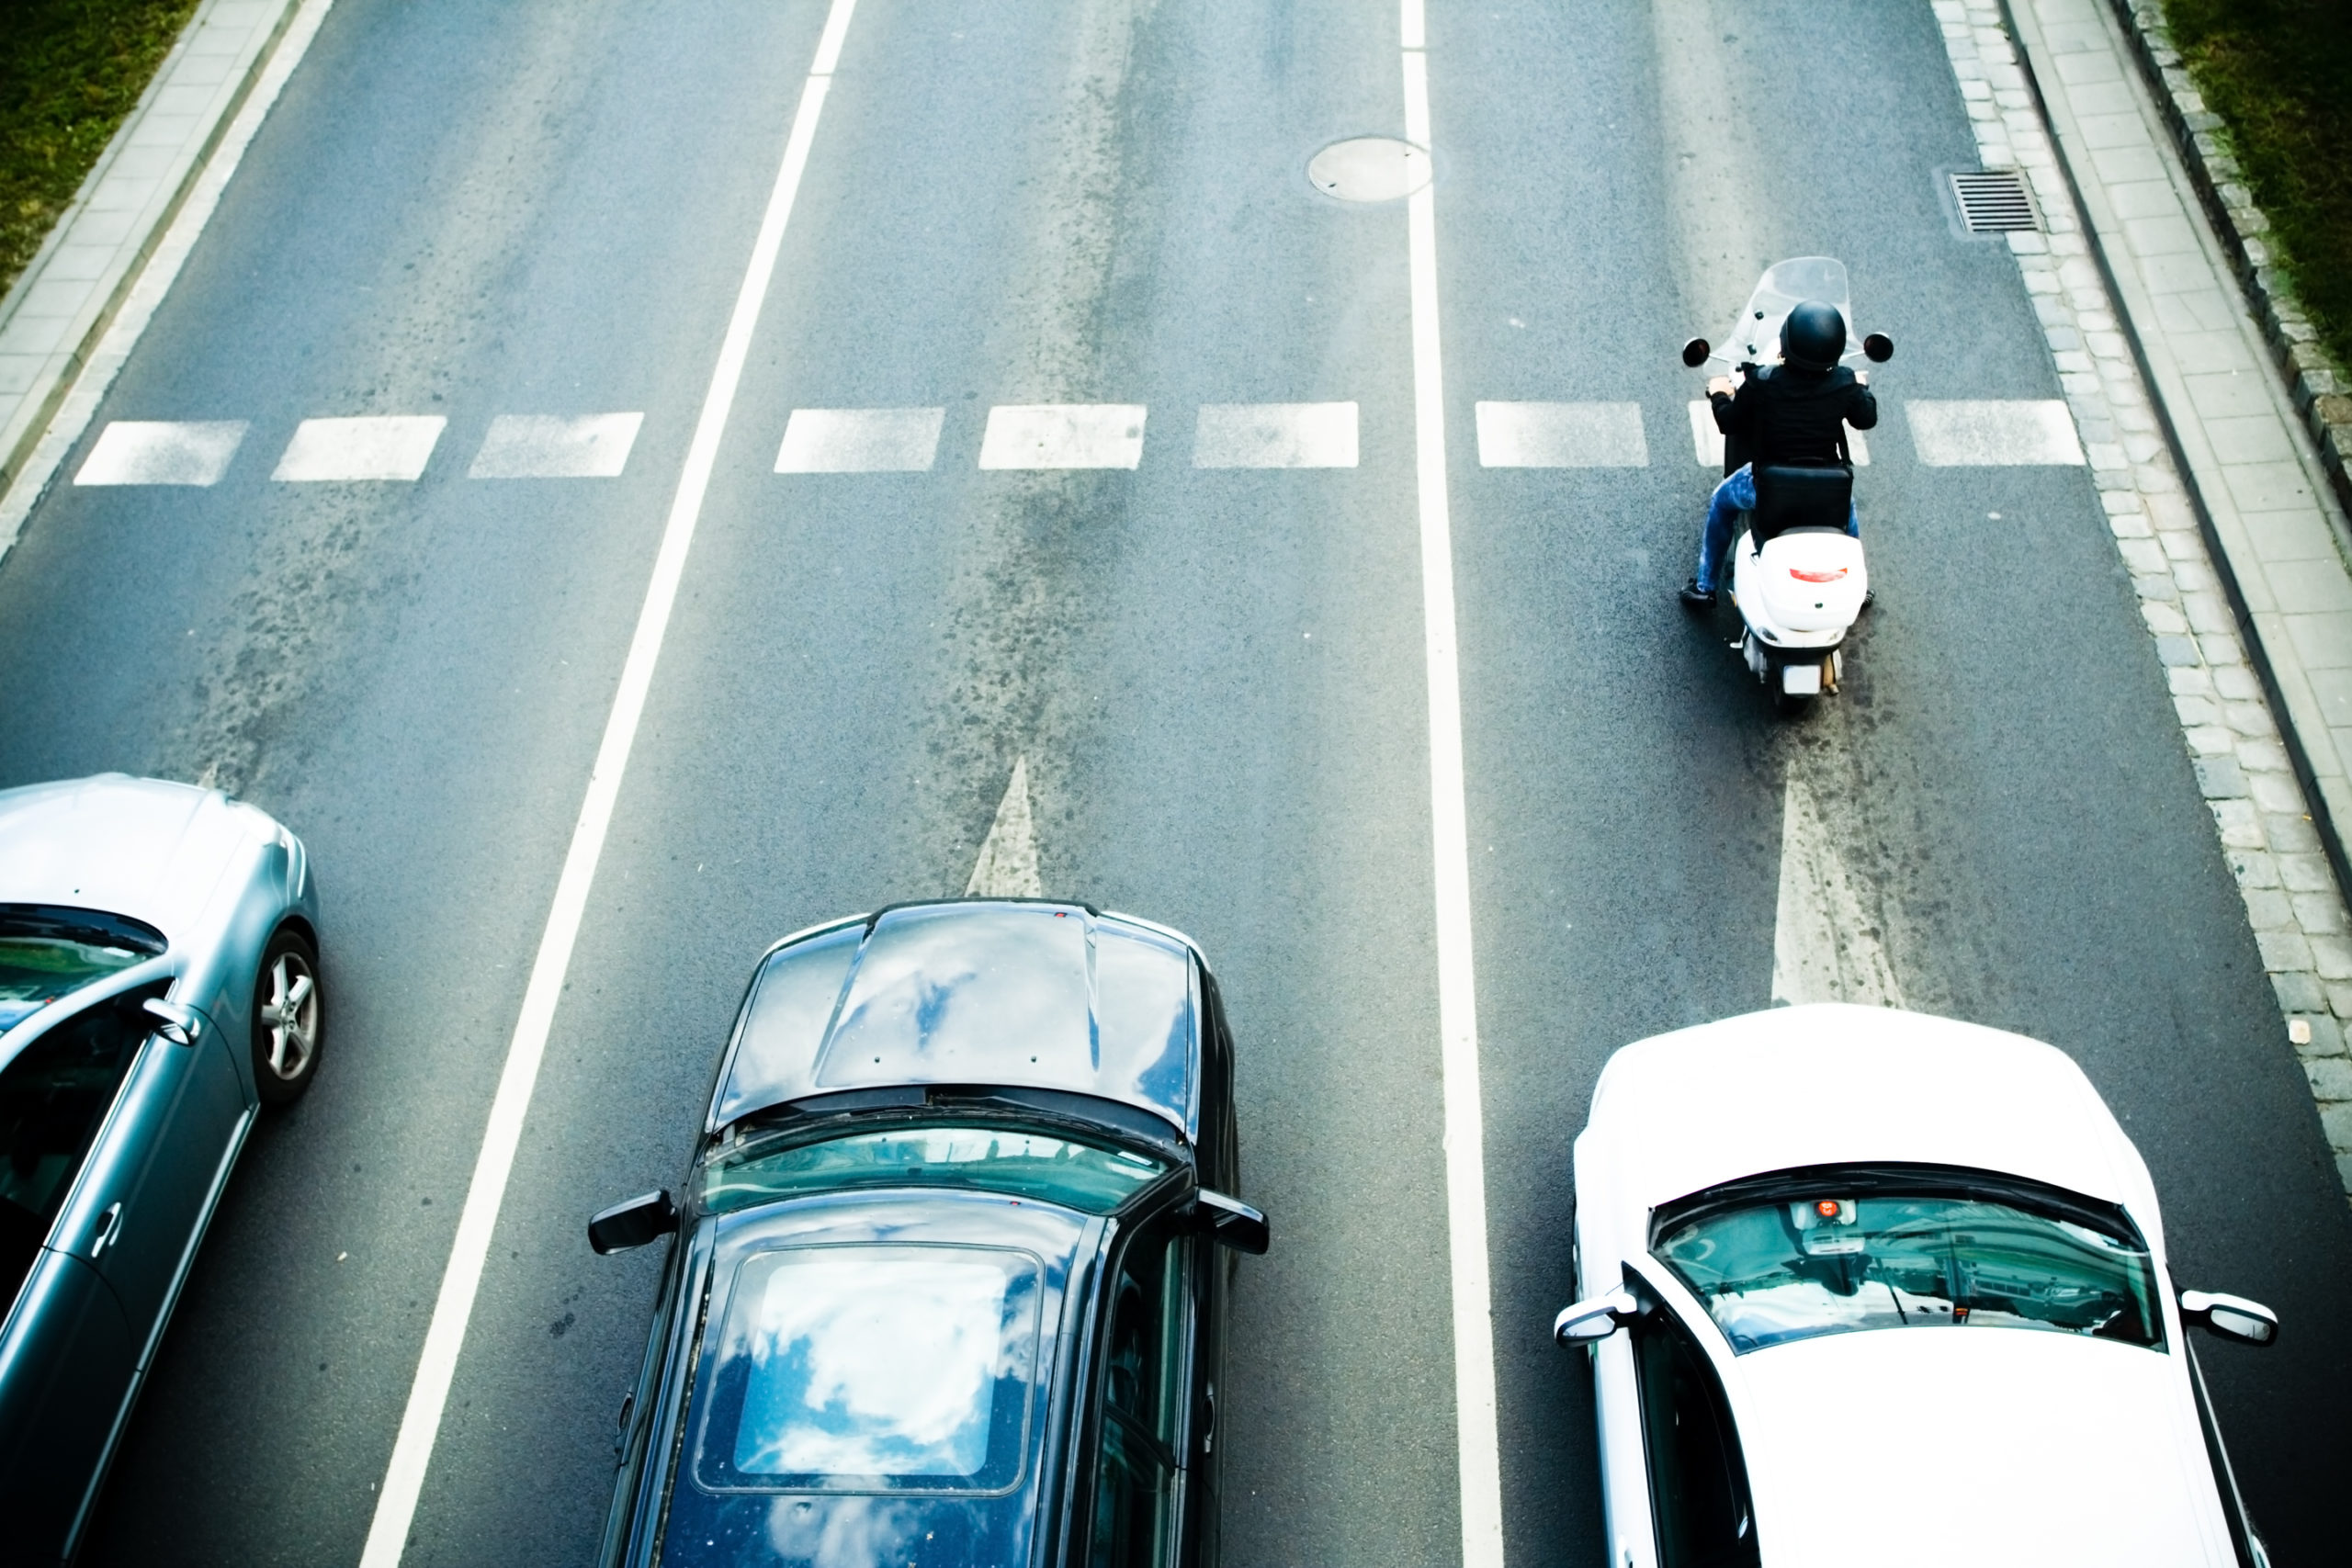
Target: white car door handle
[[110, 1227]]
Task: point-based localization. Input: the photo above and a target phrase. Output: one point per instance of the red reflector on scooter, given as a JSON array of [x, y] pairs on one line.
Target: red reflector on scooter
[[1816, 576]]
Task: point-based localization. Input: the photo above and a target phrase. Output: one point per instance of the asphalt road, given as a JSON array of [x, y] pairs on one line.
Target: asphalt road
[[1215, 676]]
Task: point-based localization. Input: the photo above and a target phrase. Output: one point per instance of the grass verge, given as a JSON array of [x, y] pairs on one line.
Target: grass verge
[[2280, 74], [69, 70]]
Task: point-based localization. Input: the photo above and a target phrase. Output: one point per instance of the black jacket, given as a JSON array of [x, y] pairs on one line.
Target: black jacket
[[1785, 415]]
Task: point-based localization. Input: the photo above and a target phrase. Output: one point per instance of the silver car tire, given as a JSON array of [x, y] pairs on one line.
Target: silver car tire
[[290, 1017]]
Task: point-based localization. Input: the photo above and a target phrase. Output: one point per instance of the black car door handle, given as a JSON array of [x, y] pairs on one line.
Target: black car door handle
[[110, 1227]]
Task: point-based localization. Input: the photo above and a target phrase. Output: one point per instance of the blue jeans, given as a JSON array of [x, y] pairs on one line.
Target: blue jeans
[[1735, 495]]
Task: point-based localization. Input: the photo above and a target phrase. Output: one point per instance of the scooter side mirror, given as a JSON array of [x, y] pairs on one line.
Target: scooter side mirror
[[1877, 348], [1695, 351]]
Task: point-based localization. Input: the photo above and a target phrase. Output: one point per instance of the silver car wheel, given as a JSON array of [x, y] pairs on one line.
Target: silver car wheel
[[290, 1016]]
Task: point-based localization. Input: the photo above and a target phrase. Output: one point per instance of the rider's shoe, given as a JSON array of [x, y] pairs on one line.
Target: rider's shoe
[[1870, 597], [1696, 597]]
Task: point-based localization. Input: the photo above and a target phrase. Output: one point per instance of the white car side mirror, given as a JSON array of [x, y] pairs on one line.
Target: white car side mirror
[[1596, 1319], [2229, 1317]]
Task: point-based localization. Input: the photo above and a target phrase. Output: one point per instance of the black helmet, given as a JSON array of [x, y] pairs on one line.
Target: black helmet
[[1813, 337]]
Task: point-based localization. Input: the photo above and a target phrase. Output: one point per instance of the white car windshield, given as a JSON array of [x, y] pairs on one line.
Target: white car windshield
[[1812, 1261]]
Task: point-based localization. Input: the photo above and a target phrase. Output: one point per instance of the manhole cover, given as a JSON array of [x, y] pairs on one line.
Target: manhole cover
[[1995, 202], [1370, 168]]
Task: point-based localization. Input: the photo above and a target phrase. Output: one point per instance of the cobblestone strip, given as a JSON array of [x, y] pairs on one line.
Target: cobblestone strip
[[2322, 395], [2241, 764]]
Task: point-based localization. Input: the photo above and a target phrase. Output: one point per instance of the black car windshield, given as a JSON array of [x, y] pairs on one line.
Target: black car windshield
[[1792, 1266], [872, 1367], [47, 952], [1012, 1161]]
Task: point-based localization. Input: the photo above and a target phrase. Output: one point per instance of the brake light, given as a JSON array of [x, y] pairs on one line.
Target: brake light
[[1804, 576]]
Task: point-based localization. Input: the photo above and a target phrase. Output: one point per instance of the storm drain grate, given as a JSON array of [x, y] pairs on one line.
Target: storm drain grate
[[1995, 202]]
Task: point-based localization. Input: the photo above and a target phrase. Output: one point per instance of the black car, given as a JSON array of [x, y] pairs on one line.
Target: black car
[[946, 1291]]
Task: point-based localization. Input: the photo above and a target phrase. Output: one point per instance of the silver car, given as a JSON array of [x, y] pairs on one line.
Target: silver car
[[159, 985]]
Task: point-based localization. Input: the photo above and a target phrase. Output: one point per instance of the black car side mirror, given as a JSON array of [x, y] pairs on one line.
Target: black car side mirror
[[2229, 1317], [1877, 348], [1695, 351], [1229, 1222], [633, 1224]]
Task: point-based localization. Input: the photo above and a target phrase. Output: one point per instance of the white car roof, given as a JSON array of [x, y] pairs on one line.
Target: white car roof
[[1960, 1448], [1829, 1084]]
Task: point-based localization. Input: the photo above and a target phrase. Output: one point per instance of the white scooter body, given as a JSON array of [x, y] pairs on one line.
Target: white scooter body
[[1797, 600], [1799, 597]]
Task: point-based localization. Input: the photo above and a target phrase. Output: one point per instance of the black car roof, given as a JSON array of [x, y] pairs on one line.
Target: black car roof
[[1018, 993]]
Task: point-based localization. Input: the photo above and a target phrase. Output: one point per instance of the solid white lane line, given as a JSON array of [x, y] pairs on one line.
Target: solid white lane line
[[420, 1423], [1465, 1142], [394, 446], [1992, 433], [1063, 436], [1561, 436], [162, 452], [543, 446], [1275, 436], [860, 441]]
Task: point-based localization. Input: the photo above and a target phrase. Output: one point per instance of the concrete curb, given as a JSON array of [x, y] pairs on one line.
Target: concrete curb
[[2319, 387], [54, 317]]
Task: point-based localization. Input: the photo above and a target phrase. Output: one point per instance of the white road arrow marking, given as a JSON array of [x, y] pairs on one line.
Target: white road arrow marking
[[1008, 864], [1825, 946]]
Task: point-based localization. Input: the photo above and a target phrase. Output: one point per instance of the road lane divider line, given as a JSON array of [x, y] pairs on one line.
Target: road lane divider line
[[460, 1281], [1465, 1143]]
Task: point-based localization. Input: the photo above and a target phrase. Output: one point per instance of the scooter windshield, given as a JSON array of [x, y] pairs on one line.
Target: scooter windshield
[[1755, 337]]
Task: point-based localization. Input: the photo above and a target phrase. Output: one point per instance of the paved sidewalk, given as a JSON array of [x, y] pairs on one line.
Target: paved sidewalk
[[54, 317], [2251, 637]]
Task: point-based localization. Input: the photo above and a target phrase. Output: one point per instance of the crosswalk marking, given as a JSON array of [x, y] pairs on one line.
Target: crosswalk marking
[[162, 452], [1063, 436], [545, 446], [1991, 434], [1561, 436], [860, 441], [383, 448], [1709, 442], [1275, 436]]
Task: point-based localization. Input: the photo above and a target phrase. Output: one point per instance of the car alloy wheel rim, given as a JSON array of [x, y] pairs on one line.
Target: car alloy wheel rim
[[291, 1016]]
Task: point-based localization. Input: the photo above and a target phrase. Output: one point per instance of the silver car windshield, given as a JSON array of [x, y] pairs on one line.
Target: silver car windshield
[[1824, 1263], [47, 953], [872, 1367], [1011, 1160]]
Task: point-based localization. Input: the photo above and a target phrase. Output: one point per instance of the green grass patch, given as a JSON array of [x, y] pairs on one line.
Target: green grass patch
[[2280, 74], [69, 70]]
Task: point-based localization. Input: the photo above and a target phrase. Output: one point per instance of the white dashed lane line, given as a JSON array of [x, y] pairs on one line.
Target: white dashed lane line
[[1990, 433], [1561, 436], [156, 452], [1063, 436], [860, 441], [386, 447], [1275, 436], [1993, 434], [545, 446]]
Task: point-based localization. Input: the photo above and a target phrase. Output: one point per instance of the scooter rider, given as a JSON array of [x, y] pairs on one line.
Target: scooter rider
[[1785, 414]]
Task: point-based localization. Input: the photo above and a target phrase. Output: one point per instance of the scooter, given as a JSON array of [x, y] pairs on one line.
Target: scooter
[[1798, 579]]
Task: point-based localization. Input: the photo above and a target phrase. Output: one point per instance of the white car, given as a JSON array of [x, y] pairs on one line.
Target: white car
[[1865, 1286]]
